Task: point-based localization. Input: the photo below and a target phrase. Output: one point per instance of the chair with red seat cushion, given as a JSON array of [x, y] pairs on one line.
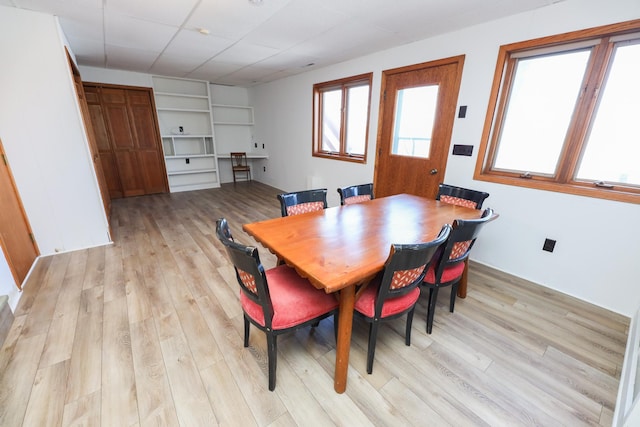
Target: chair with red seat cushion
[[355, 194], [449, 263], [396, 290], [276, 301], [461, 196], [299, 202]]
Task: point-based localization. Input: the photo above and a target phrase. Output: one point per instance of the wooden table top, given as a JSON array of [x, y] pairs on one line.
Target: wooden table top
[[345, 245]]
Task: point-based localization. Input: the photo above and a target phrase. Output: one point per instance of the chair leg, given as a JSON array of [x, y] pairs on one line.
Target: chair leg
[[371, 350], [407, 333], [315, 324], [246, 331], [433, 297], [272, 353], [335, 327], [454, 291]]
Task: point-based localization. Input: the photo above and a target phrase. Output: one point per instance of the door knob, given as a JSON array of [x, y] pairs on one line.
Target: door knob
[[434, 171]]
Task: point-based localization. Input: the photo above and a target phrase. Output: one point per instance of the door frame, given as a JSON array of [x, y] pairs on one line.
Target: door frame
[[5, 249]]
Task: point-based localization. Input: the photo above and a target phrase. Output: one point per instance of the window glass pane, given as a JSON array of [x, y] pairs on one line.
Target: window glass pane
[[613, 147], [357, 108], [331, 105], [541, 103], [413, 126]]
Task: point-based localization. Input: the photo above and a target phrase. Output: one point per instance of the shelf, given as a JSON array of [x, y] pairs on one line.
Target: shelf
[[233, 123], [184, 135], [182, 95], [238, 115], [189, 110], [227, 156], [194, 171], [190, 157]]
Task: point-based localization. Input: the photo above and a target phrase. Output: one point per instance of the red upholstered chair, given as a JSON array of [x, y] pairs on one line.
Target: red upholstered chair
[[396, 290], [355, 194], [461, 196], [449, 263], [299, 202], [276, 301]]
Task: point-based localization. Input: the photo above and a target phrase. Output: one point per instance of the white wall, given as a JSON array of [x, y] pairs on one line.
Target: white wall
[[596, 255], [43, 135]]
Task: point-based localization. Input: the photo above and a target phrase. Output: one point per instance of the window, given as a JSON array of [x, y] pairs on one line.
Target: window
[[341, 118], [413, 123], [564, 114]]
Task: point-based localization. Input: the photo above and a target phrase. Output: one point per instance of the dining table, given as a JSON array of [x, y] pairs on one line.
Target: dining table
[[341, 248]]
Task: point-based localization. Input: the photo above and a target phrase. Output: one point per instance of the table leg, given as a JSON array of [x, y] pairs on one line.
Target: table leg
[[343, 345], [462, 286]]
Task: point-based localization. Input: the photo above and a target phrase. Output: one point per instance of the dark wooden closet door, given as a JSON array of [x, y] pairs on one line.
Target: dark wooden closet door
[[128, 139]]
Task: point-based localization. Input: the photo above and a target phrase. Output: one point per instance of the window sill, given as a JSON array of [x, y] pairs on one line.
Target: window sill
[[352, 159], [616, 193]]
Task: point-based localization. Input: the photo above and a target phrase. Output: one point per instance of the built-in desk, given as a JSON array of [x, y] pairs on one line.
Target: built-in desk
[[225, 171], [227, 156]]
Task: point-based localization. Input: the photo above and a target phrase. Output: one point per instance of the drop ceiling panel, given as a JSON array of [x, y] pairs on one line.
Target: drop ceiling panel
[[232, 18], [292, 25], [163, 11], [125, 31], [249, 43], [192, 43], [245, 53], [119, 57]]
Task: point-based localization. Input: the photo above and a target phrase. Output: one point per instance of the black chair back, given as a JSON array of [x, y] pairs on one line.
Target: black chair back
[[249, 270], [308, 199], [355, 191], [406, 266], [461, 196], [462, 238]]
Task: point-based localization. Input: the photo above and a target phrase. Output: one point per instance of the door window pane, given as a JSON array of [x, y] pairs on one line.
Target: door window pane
[[540, 107], [331, 106], [612, 153], [413, 123]]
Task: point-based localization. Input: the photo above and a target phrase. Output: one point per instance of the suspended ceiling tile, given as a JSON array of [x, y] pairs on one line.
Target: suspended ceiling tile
[[192, 43], [232, 18], [163, 12], [129, 58], [125, 31], [245, 53], [294, 24]]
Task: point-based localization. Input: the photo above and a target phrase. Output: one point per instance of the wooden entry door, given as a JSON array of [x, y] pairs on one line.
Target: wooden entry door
[[16, 238], [417, 111]]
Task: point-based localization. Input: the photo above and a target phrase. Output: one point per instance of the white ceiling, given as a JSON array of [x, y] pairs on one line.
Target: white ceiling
[[250, 44]]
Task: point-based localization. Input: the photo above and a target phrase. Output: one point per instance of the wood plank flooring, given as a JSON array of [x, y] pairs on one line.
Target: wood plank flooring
[[148, 331]]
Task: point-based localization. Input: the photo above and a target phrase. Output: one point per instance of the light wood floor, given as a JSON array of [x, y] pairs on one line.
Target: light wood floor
[[148, 331]]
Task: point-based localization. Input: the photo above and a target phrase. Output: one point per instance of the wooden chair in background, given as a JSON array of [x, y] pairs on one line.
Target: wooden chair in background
[[239, 165]]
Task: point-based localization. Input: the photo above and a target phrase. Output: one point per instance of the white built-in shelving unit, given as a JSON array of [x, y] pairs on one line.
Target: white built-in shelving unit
[[186, 126]]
